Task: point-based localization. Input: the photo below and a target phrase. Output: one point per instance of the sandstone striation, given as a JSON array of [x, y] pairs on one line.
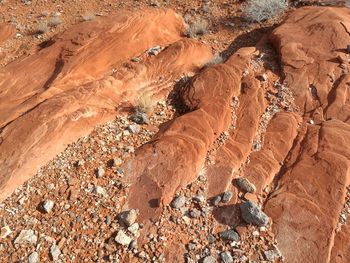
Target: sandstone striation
[[80, 85]]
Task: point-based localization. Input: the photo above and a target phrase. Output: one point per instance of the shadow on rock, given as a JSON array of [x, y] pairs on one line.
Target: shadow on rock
[[228, 215]]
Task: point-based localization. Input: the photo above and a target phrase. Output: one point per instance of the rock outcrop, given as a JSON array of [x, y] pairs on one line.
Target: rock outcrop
[[6, 32], [311, 191], [59, 94], [176, 155]]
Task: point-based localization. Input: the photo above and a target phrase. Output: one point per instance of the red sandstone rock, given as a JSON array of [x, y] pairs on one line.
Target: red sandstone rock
[[309, 42], [6, 32], [265, 164], [59, 94], [237, 148], [341, 248], [310, 195], [174, 158]]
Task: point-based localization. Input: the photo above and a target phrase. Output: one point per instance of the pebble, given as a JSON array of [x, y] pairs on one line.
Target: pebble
[[226, 197], [135, 59], [199, 198], [191, 246], [108, 220], [33, 257], [122, 239], [134, 128], [252, 214], [26, 236], [48, 206], [216, 200], [209, 259], [134, 228], [133, 245], [348, 49], [229, 235], [100, 172], [128, 217], [178, 202], [55, 252], [5, 232], [140, 118], [211, 239], [50, 186], [195, 213], [117, 161], [243, 258], [226, 257], [99, 190], [245, 185], [154, 50], [272, 255]]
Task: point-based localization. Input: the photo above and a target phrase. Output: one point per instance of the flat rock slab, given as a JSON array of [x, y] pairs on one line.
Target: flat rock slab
[[85, 74], [311, 193]]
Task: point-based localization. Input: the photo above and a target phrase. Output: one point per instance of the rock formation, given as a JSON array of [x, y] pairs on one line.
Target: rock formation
[[59, 94], [276, 114]]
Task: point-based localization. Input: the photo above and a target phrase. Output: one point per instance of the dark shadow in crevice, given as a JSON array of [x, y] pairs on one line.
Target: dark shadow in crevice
[[229, 215]]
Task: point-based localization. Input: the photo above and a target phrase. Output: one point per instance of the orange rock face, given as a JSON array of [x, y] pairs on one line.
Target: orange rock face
[[312, 44], [6, 32], [311, 191], [160, 168], [53, 97]]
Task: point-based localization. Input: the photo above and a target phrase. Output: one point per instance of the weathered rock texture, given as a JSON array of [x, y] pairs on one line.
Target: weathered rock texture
[[312, 186], [174, 158], [305, 166], [53, 97], [6, 31], [341, 248]]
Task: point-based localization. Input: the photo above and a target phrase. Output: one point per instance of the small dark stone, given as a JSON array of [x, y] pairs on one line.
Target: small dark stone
[[216, 200], [229, 235], [211, 239], [226, 197], [140, 118], [178, 202], [245, 185], [226, 257], [252, 214]]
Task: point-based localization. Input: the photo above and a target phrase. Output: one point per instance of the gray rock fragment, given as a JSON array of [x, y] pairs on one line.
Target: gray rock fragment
[[128, 217], [178, 202], [209, 259], [48, 206], [226, 257], [252, 214], [245, 185], [122, 239], [226, 197], [229, 235]]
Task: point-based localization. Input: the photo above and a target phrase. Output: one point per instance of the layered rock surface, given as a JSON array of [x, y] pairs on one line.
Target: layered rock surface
[[311, 191], [53, 97], [6, 31]]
